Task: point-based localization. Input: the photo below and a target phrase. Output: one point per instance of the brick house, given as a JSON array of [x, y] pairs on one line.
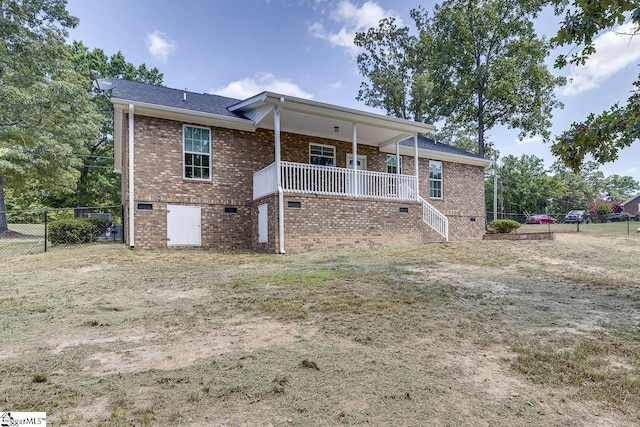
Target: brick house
[[631, 206], [275, 173]]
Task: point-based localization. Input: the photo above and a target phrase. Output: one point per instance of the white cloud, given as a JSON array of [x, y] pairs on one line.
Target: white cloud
[[530, 140], [631, 171], [159, 46], [347, 19], [336, 85], [248, 87], [615, 50]]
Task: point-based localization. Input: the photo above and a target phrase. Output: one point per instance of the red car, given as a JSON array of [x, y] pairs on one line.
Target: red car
[[541, 219]]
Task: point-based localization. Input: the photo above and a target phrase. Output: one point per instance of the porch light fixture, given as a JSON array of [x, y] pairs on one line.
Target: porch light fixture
[[336, 128]]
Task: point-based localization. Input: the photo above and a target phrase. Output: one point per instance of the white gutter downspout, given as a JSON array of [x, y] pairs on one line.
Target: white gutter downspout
[[276, 131], [354, 147], [415, 161], [131, 190]]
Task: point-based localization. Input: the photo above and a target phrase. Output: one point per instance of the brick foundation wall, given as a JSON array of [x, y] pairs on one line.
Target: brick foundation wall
[[331, 222]]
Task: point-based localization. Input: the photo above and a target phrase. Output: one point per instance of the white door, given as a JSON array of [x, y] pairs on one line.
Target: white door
[[183, 225], [361, 183], [263, 224], [362, 162]]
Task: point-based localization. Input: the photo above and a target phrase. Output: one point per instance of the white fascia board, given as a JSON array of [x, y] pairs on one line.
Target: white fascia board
[[188, 116], [331, 111], [438, 155], [394, 141], [249, 102]]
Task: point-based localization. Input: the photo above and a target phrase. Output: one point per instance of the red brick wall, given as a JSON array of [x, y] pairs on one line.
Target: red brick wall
[[333, 222], [236, 155]]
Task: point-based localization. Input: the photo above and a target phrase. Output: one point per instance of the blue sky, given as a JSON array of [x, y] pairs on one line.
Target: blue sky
[[305, 48]]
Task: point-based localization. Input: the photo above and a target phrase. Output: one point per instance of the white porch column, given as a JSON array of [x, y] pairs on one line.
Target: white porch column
[[415, 164], [276, 133], [354, 148], [398, 157]]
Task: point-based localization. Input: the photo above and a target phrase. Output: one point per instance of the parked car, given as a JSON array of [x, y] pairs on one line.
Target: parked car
[[541, 219], [615, 217], [577, 216]]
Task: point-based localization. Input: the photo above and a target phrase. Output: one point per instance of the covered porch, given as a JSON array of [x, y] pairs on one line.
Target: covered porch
[[362, 130]]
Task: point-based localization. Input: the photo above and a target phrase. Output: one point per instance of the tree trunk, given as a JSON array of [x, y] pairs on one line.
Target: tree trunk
[[4, 226]]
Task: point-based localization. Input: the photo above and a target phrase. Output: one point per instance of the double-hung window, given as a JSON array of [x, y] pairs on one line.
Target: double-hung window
[[323, 155], [435, 180], [393, 167], [197, 152]]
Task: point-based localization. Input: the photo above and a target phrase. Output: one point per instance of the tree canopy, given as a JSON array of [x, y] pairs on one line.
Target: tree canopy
[[474, 64], [97, 183], [45, 112], [525, 186], [602, 135]]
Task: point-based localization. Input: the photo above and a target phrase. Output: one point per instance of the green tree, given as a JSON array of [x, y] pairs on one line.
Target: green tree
[[475, 64], [391, 63], [460, 136], [577, 192], [527, 188], [619, 188], [601, 136], [97, 183], [45, 110]]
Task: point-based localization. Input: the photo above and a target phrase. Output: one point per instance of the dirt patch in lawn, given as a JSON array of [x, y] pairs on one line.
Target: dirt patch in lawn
[[176, 348], [475, 333]]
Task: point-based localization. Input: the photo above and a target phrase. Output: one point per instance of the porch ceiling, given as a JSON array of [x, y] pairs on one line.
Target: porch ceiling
[[313, 118]]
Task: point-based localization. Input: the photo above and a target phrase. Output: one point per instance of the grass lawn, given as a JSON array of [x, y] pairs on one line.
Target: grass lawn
[[481, 333]]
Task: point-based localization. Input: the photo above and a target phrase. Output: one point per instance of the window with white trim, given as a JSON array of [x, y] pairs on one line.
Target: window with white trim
[[323, 155], [197, 152], [392, 165], [392, 168], [435, 179]]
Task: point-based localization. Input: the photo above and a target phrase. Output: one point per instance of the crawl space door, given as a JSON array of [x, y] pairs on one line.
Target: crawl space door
[[183, 225]]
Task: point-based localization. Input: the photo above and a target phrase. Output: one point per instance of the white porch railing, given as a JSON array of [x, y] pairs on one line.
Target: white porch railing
[[313, 179], [435, 219], [326, 180], [265, 181]]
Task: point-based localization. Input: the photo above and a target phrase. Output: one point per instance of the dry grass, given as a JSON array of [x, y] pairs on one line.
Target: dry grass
[[476, 333]]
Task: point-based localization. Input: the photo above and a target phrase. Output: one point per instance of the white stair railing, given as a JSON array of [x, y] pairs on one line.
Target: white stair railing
[[435, 219]]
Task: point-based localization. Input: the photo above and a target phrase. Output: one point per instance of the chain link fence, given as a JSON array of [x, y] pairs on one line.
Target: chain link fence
[[36, 231], [620, 224]]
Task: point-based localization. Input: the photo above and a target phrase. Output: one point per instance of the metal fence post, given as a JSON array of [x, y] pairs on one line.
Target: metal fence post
[[46, 226]]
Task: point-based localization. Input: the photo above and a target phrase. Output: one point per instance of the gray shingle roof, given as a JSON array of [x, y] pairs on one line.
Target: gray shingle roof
[[430, 144], [158, 95]]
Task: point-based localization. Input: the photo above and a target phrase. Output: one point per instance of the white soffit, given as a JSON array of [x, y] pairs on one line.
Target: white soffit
[[318, 119]]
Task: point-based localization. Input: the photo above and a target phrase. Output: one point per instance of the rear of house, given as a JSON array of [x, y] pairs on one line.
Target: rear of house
[[279, 174]]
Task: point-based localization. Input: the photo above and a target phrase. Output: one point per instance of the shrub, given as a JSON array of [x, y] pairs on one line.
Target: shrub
[[100, 225], [625, 217], [504, 225], [637, 216], [72, 231]]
